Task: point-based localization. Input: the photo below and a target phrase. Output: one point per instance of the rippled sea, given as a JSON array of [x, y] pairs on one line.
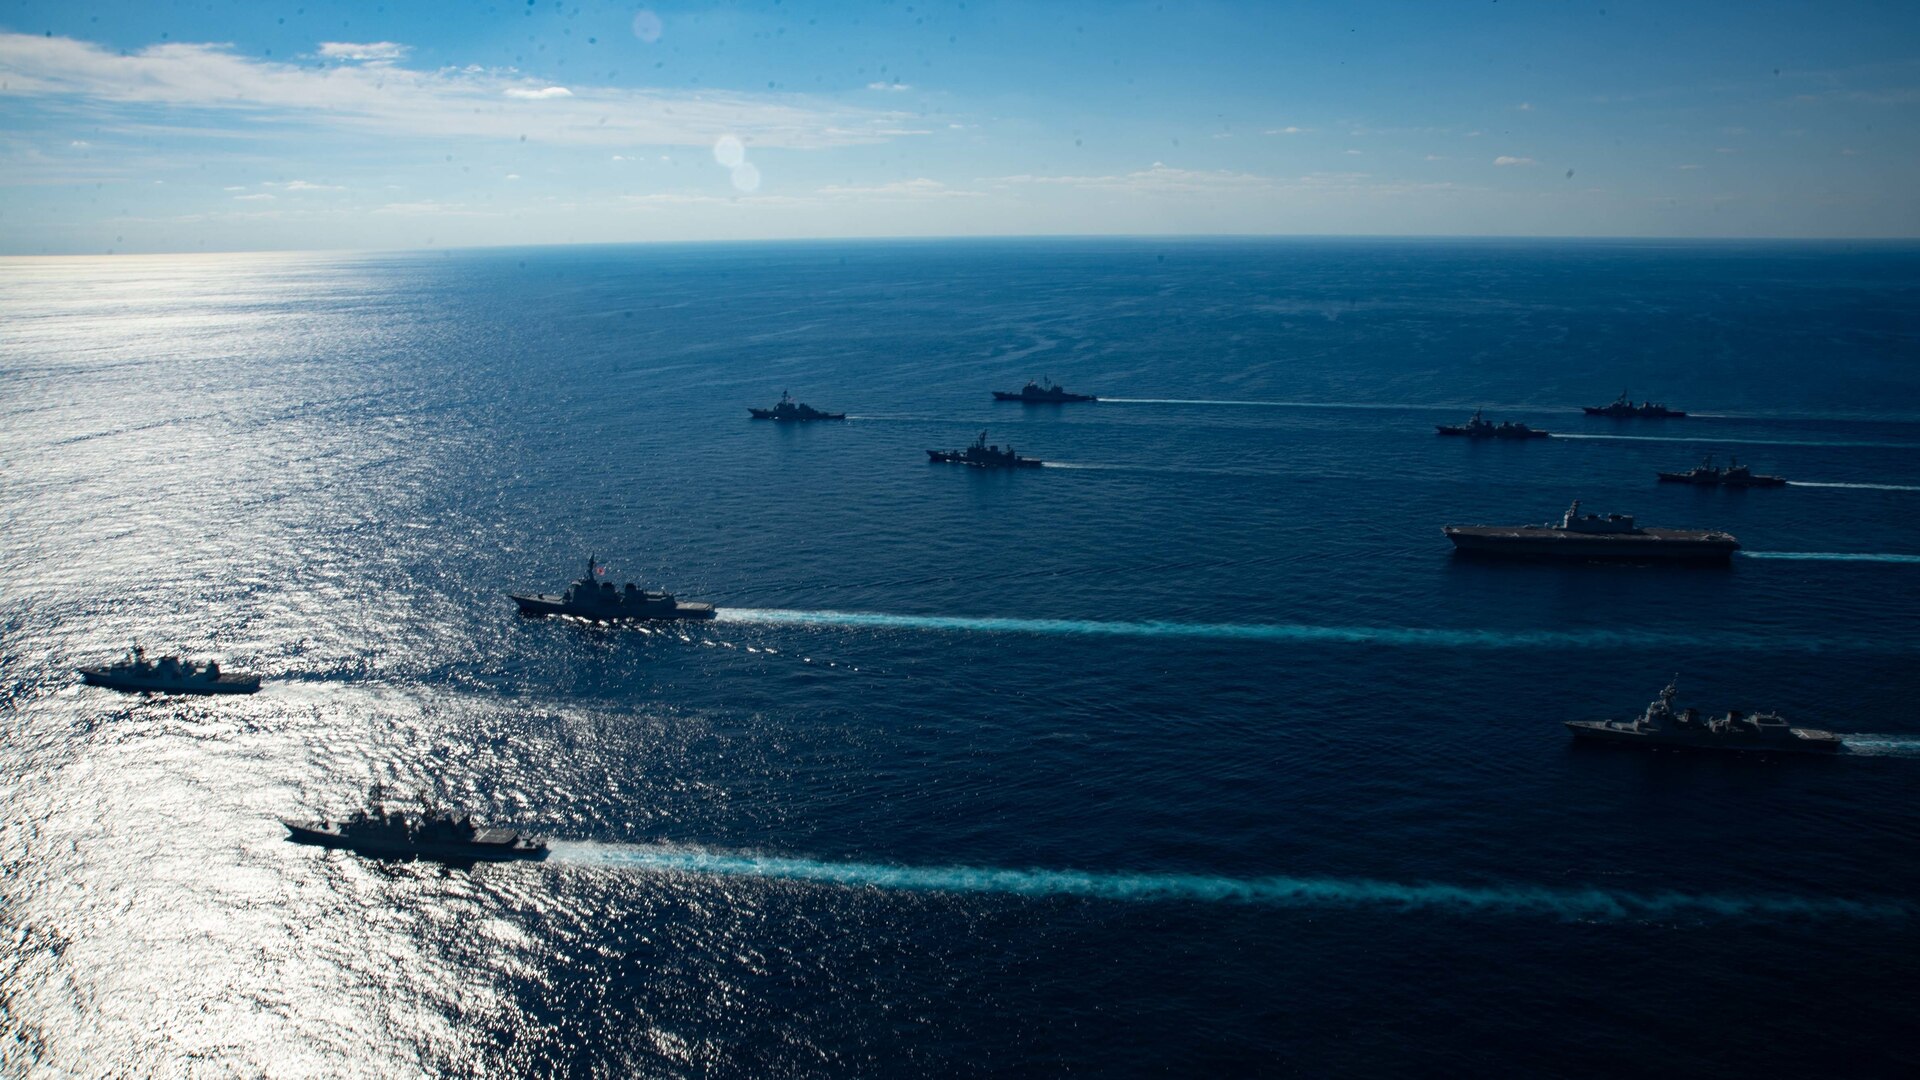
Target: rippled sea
[[1196, 753]]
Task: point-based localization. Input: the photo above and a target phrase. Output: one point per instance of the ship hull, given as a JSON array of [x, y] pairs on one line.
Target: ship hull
[[1632, 414], [1466, 434], [1799, 740], [1053, 399], [1756, 482], [306, 832], [1649, 545], [952, 457], [226, 684], [541, 606], [768, 414]]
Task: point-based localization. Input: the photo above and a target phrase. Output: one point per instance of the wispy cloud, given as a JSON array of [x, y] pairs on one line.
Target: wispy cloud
[[1688, 168], [302, 185], [381, 96], [259, 197], [1895, 95], [433, 207], [378, 51], [1288, 131], [921, 188], [890, 86], [1159, 180], [680, 198], [1507, 159]]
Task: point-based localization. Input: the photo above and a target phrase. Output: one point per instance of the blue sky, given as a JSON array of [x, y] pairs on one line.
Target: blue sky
[[221, 126]]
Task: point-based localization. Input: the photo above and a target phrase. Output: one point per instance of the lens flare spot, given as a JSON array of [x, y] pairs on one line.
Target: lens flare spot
[[746, 177], [647, 26], [729, 151]]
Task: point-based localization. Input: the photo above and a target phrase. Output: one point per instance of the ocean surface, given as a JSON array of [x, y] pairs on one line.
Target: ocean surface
[[1196, 752]]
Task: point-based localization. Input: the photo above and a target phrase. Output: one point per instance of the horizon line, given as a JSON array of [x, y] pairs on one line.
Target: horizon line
[[981, 238]]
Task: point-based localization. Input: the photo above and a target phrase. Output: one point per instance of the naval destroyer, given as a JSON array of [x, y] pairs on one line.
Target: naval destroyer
[[1477, 427], [431, 834], [1707, 474], [167, 675], [981, 456], [1035, 393], [791, 410], [1661, 727], [1623, 408], [596, 600]]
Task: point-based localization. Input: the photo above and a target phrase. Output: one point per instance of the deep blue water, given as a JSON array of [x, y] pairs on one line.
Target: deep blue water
[[1198, 753]]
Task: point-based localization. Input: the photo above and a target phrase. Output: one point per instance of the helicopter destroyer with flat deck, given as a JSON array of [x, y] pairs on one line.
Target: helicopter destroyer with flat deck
[[1591, 536]]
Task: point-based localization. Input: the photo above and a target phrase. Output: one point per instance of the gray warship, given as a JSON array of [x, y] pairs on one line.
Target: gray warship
[[430, 834], [1660, 727], [596, 600], [1623, 408], [1590, 536], [1049, 393], [981, 456], [1707, 474], [167, 675], [1478, 428], [791, 410]]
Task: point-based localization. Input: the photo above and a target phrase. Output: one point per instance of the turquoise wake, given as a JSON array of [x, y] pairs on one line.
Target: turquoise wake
[[1301, 632], [1292, 892], [1831, 556]]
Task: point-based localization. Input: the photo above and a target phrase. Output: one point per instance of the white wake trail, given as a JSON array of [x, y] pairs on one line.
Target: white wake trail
[[1274, 891], [1866, 487], [1832, 556], [1416, 637]]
